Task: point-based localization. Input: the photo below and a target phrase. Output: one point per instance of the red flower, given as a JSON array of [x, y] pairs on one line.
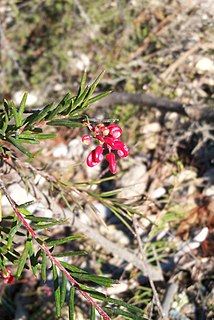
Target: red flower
[[115, 130], [109, 138], [86, 139], [110, 157], [95, 156]]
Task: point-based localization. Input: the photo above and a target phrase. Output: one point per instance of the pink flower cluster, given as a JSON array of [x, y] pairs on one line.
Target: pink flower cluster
[[7, 278], [108, 138]]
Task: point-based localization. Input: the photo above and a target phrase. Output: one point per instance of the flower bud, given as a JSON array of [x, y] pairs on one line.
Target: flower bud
[[86, 139], [110, 157]]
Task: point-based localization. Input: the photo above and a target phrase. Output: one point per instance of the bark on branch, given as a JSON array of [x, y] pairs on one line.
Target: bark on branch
[[194, 112]]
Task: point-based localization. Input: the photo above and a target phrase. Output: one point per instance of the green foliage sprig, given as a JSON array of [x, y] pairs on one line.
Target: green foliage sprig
[[38, 253]]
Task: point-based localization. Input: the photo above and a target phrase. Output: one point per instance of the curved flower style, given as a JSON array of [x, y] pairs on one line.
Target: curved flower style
[[108, 138]]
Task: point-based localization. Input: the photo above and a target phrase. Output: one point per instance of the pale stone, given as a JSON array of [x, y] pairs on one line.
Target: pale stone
[[18, 194], [205, 64], [104, 212], [133, 182], [158, 193], [32, 98], [151, 127], [201, 236], [186, 175], [75, 148], [60, 150]]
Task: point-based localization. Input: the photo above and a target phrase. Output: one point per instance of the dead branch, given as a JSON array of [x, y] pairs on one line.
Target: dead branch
[[194, 112]]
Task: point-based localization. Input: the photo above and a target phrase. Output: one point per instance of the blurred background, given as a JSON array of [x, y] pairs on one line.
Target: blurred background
[[164, 48]]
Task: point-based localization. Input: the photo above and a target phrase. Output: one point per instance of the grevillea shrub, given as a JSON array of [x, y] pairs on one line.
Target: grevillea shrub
[[18, 130]]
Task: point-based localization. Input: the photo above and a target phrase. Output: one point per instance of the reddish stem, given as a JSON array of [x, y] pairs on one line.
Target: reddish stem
[[52, 258]]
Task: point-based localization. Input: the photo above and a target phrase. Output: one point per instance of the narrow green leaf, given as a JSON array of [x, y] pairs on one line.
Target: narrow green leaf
[[23, 258], [71, 254], [82, 83], [6, 108], [72, 268], [114, 311], [71, 304], [15, 114], [98, 97], [93, 315], [56, 290], [22, 107], [91, 90], [36, 136], [63, 290], [28, 141], [12, 233], [65, 123], [80, 99], [96, 279], [44, 266], [19, 146], [117, 302], [40, 219], [51, 243], [33, 259], [59, 108], [5, 122], [38, 116], [24, 211], [46, 226]]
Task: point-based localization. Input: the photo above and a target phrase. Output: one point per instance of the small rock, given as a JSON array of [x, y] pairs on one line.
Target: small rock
[[60, 150], [158, 193], [104, 212], [134, 182], [75, 148], [201, 236], [205, 64], [32, 98], [186, 175], [152, 127], [18, 194]]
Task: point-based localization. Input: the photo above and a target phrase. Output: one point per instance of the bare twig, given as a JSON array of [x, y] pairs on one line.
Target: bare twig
[[194, 112]]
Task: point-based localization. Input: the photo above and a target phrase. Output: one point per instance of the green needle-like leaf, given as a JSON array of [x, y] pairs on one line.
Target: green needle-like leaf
[[93, 315], [38, 116], [125, 314], [63, 290], [19, 146], [71, 254], [98, 97], [59, 108], [65, 123], [23, 258], [56, 290], [44, 266], [82, 83], [52, 243], [33, 259], [22, 107], [71, 303], [15, 114]]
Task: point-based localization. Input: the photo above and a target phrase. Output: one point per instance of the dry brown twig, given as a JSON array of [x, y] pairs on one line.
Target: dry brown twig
[[194, 112]]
